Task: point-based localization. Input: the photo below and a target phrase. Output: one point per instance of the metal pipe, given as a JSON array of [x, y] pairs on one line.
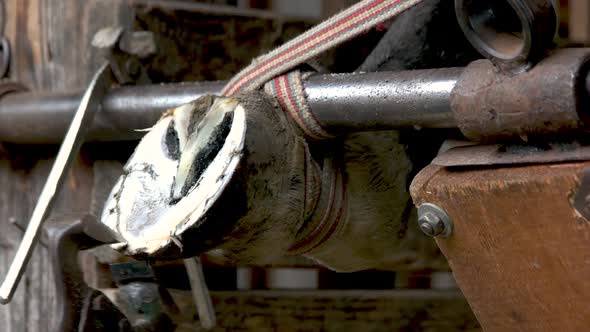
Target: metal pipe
[[342, 103], [383, 100], [44, 118]]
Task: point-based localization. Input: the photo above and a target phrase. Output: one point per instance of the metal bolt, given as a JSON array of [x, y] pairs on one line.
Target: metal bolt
[[431, 224], [434, 221]]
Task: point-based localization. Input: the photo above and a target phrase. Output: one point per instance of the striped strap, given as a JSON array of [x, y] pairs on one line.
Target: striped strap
[[328, 34], [289, 91]]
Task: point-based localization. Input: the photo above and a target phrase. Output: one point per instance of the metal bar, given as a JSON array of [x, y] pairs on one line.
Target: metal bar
[[200, 292], [342, 103], [44, 118], [383, 100]]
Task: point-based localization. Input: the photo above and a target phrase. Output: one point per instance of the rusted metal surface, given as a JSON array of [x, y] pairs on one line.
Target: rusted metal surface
[[509, 154], [549, 99]]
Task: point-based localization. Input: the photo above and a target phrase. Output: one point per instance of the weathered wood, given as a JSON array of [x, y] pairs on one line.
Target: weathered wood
[[14, 200], [50, 42], [51, 39], [354, 310], [519, 251], [33, 304]]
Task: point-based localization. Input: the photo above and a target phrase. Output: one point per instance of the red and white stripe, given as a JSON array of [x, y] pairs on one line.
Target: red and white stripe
[[290, 93], [328, 34]]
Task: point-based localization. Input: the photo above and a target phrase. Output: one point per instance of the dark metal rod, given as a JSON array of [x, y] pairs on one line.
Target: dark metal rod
[[341, 103]]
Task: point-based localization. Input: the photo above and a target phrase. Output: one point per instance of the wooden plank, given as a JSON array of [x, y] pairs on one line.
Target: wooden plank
[[350, 310], [21, 180], [13, 198], [51, 39], [51, 51], [519, 251]]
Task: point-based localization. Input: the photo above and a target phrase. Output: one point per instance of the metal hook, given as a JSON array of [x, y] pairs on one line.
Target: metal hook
[[69, 149]]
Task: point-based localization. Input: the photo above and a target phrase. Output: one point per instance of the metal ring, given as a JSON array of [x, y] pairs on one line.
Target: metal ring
[[4, 56], [511, 33]]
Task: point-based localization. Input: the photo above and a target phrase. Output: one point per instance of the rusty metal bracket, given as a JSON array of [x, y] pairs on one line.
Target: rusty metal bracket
[[549, 100]]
